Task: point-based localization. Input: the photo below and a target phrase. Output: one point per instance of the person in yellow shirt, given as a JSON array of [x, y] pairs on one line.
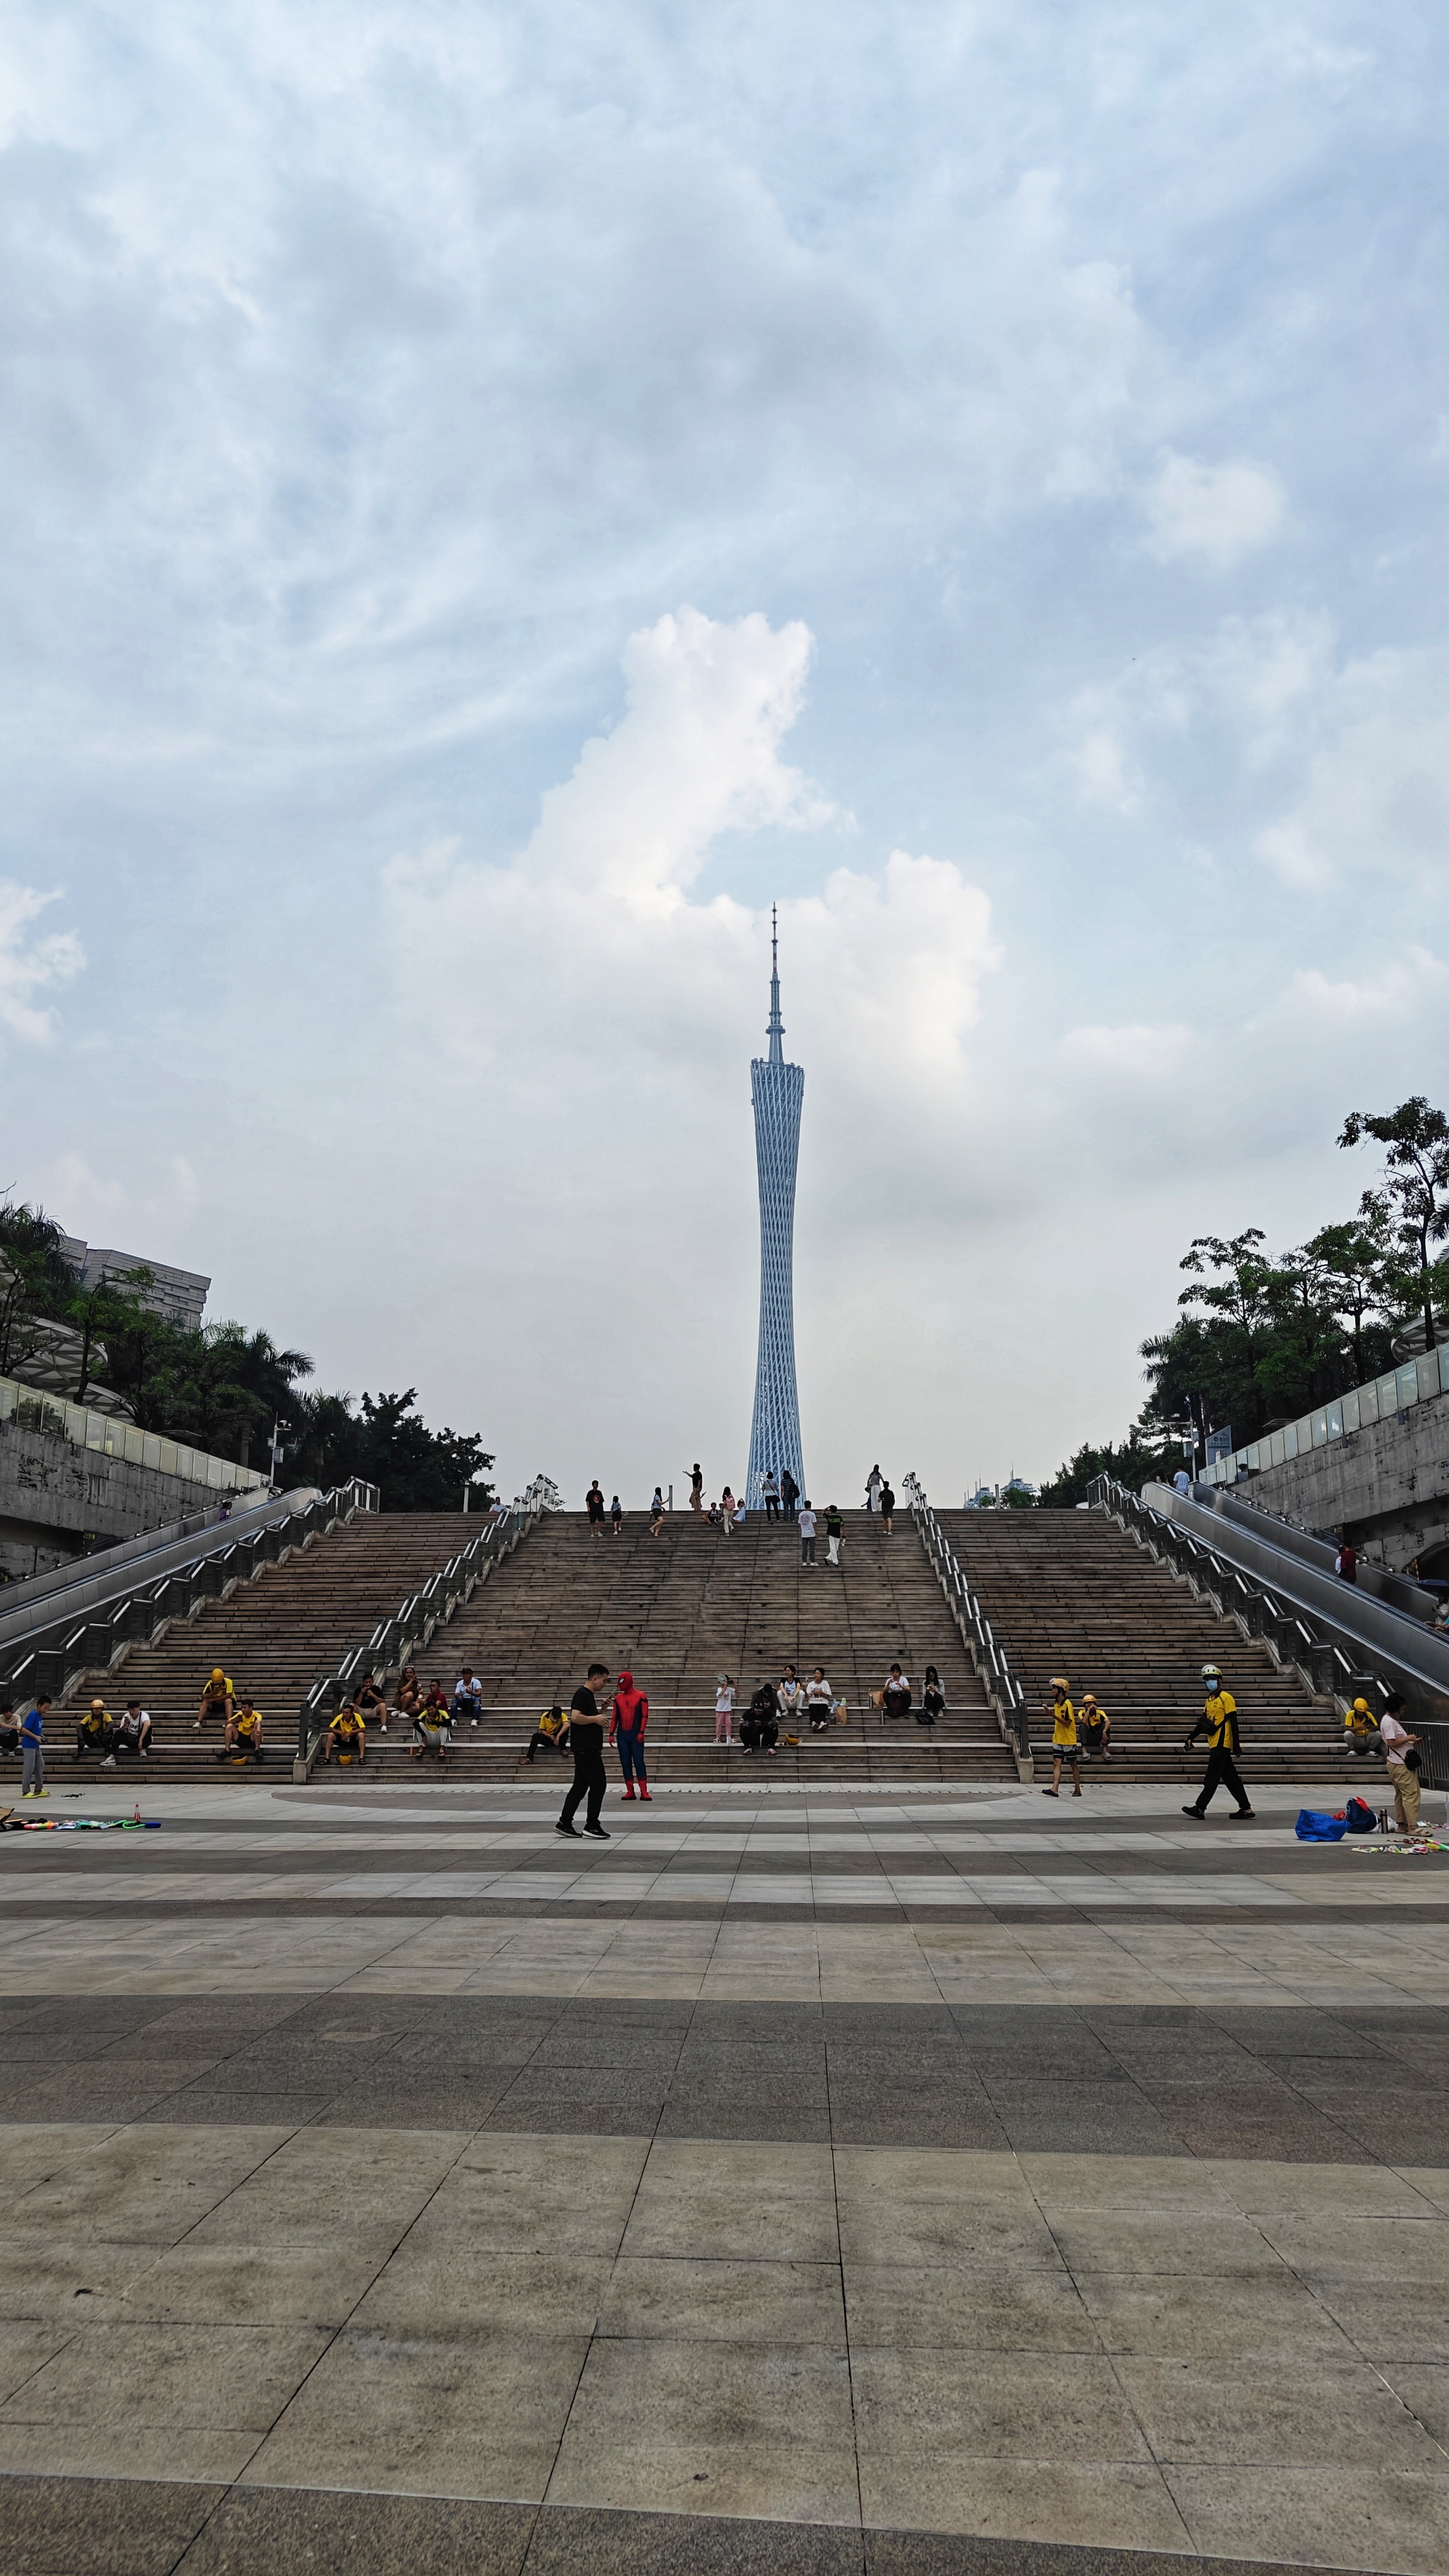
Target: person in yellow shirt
[[96, 1733], [551, 1735], [243, 1733], [348, 1733], [1065, 1747], [1360, 1729], [1096, 1726], [218, 1699], [1219, 1723]]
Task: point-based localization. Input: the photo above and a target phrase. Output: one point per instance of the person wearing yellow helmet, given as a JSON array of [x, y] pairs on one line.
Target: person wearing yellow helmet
[[218, 1699], [1360, 1729]]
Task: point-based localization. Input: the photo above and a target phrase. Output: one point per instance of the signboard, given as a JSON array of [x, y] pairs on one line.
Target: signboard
[[1219, 1445]]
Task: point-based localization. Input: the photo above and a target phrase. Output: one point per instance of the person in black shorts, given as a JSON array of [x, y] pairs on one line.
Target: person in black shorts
[[586, 1735]]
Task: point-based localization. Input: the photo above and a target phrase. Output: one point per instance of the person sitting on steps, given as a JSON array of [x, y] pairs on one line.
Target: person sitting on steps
[[551, 1735], [430, 1726], [819, 1701], [96, 1733], [1065, 1747], [895, 1698], [1096, 1727], [133, 1729], [760, 1725], [243, 1734], [933, 1699], [467, 1697], [349, 1732], [372, 1703], [1360, 1729], [218, 1699]]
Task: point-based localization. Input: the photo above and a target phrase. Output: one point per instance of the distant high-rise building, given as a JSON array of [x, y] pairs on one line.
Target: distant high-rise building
[[178, 1295], [778, 1090]]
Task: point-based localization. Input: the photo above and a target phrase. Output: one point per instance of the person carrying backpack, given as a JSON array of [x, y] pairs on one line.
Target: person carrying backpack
[[1219, 1723], [627, 1720]]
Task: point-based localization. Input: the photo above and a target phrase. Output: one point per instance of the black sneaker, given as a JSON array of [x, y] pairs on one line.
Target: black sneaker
[[597, 1834], [1196, 1814], [570, 1830], [1242, 1815]]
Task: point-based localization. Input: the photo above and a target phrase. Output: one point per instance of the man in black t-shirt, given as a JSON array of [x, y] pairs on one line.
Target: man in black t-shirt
[[586, 1736]]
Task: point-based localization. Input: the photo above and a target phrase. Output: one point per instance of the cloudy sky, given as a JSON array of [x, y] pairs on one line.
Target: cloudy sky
[[491, 497]]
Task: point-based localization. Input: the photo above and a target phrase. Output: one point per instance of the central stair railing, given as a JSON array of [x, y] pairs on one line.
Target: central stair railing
[[395, 1641], [989, 1658]]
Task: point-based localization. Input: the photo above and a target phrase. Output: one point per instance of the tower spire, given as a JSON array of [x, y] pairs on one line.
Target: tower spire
[[776, 1029]]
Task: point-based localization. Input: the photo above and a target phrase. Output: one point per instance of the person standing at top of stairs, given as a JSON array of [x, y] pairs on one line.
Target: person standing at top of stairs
[[770, 1494], [696, 1487], [594, 1499], [873, 1484]]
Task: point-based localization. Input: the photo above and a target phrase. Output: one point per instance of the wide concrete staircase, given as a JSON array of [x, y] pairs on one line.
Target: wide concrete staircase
[[1070, 1592], [273, 1637], [680, 1610]]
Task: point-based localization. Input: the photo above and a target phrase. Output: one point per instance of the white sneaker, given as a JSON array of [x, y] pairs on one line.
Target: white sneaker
[[109, 1763]]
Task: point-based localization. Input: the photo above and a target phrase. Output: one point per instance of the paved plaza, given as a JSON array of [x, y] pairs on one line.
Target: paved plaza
[[905, 2182]]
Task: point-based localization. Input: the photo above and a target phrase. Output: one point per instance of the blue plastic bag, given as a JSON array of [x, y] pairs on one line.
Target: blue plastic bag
[[1315, 1828]]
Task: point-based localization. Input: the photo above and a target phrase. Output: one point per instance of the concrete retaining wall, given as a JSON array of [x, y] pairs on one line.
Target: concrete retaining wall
[[57, 1500], [1386, 1486]]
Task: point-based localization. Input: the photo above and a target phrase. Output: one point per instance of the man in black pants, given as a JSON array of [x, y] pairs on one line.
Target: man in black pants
[[1219, 1723], [586, 1735]]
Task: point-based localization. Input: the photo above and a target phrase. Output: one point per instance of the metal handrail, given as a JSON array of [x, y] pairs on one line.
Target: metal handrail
[[415, 1621], [1292, 1639], [58, 1653], [989, 1659]]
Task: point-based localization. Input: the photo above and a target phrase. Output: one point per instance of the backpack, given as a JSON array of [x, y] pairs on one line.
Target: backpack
[[1359, 1817]]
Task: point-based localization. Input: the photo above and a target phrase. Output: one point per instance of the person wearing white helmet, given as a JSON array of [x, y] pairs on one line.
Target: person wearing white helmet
[[1219, 1723]]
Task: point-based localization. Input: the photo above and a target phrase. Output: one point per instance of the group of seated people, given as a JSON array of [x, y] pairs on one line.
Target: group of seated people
[[430, 1714], [97, 1731], [237, 1714]]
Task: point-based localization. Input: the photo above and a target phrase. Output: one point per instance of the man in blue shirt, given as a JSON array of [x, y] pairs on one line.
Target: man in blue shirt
[[32, 1730]]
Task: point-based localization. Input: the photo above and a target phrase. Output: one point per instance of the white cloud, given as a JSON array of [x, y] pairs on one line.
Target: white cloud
[[1138, 1054], [1218, 512], [1374, 797], [1409, 987], [30, 965], [584, 971]]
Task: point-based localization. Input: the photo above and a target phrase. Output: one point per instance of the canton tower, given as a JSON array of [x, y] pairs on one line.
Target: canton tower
[[778, 1090]]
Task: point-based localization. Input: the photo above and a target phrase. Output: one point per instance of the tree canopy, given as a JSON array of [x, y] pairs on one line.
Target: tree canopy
[[1260, 1338]]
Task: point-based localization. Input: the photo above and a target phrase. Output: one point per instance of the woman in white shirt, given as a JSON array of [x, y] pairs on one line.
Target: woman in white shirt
[[818, 1701], [724, 1711], [790, 1693]]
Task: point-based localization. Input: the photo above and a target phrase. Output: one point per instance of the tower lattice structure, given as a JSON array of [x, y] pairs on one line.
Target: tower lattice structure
[[778, 1091]]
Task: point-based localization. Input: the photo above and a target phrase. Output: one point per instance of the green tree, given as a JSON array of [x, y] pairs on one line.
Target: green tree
[[1140, 1460], [387, 1441], [100, 1314], [1415, 1190], [35, 1281], [1359, 1284]]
